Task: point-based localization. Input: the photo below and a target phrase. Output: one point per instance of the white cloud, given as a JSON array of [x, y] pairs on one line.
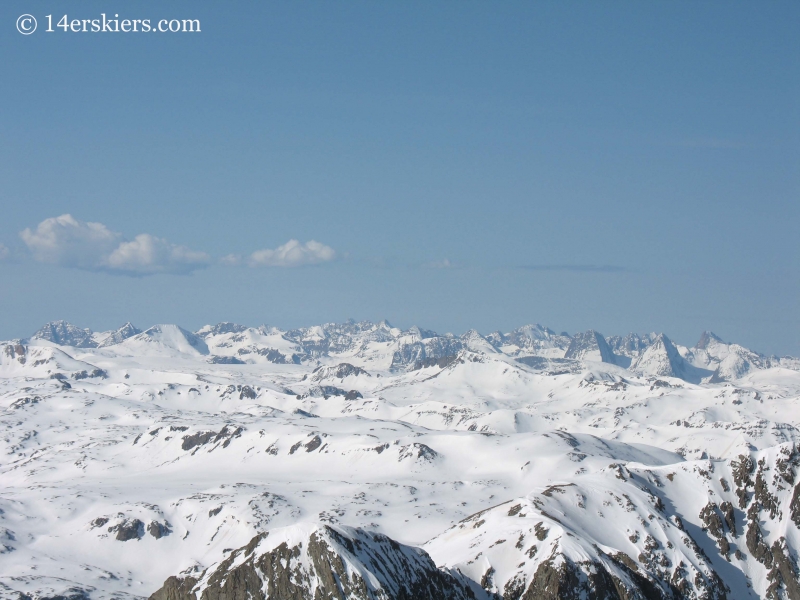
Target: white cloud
[[293, 254], [4, 251], [149, 254], [67, 242]]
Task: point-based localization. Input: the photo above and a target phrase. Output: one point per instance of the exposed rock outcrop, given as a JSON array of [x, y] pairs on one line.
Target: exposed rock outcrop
[[309, 562]]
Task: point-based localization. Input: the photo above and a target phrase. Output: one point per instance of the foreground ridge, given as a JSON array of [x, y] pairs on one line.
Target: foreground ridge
[[623, 532], [320, 561]]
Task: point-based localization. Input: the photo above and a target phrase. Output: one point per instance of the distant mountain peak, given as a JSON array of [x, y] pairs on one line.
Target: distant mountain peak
[[707, 339], [120, 335], [590, 345], [171, 337], [64, 333]]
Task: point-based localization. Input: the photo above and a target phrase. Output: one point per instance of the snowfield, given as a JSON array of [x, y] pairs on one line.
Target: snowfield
[[358, 460]]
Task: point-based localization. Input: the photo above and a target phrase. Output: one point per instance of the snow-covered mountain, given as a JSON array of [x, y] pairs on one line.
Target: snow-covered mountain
[[383, 346], [359, 460], [66, 334]]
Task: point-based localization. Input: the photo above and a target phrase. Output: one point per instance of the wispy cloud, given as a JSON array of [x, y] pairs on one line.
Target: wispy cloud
[[576, 268], [4, 252], [68, 242], [292, 254], [231, 260], [445, 263]]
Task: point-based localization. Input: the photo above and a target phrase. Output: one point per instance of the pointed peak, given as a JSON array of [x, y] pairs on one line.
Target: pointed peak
[[661, 338], [472, 334], [708, 338], [120, 335], [584, 345]]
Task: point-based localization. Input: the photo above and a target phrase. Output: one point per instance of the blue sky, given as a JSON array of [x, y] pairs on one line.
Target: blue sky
[[623, 166]]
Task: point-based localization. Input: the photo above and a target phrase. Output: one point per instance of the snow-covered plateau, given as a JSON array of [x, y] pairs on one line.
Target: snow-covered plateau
[[362, 461]]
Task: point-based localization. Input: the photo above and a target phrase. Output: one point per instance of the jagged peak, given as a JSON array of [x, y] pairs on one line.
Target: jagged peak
[[589, 341], [65, 333], [706, 339], [119, 335]]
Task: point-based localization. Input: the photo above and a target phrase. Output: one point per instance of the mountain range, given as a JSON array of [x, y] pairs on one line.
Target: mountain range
[[362, 461], [710, 359]]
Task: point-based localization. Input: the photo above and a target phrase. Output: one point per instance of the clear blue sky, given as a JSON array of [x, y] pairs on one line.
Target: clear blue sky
[[622, 166]]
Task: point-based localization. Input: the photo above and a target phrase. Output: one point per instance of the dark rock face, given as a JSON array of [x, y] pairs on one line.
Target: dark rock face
[[247, 392], [197, 439], [176, 588], [273, 356], [225, 435], [159, 530], [794, 506], [315, 443], [729, 516], [27, 400], [434, 348], [419, 452], [713, 522], [129, 529], [18, 352], [741, 476], [325, 563], [784, 575], [612, 578], [442, 362], [572, 581], [710, 517], [86, 375]]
